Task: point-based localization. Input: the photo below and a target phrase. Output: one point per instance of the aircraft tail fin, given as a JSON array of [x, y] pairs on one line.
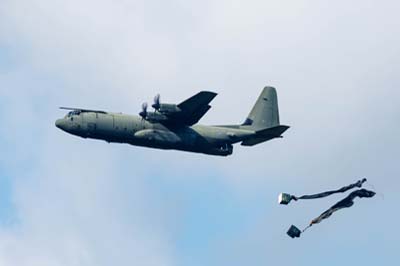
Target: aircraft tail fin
[[265, 113], [264, 119]]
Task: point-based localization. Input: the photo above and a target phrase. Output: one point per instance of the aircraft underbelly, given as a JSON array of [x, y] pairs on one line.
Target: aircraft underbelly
[[157, 138], [184, 140]]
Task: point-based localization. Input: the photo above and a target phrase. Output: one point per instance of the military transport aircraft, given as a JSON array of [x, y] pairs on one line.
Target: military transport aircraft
[[174, 126]]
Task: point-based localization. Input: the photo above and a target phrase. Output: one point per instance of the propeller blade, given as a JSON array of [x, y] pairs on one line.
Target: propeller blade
[[143, 113], [144, 106], [157, 103]]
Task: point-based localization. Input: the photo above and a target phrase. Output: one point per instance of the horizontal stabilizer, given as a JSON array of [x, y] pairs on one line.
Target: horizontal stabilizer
[[265, 135], [273, 131]]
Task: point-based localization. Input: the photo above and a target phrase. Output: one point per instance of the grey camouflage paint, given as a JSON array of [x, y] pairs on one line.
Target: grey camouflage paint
[[261, 125]]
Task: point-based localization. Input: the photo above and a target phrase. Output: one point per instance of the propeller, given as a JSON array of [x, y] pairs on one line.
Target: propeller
[[143, 113], [156, 105]]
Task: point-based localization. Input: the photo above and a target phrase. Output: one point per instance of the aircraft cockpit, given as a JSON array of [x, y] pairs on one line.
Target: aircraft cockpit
[[73, 113]]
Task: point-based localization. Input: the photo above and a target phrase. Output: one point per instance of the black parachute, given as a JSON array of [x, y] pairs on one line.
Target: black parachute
[[347, 202], [285, 198]]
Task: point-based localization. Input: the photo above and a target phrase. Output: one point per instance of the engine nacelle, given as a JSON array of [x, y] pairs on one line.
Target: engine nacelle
[[169, 109], [155, 117]]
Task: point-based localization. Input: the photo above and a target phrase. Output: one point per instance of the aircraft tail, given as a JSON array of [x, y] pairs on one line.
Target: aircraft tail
[[264, 119], [265, 113]]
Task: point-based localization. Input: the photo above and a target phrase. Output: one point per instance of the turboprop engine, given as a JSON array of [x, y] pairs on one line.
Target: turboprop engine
[[165, 108], [162, 111]]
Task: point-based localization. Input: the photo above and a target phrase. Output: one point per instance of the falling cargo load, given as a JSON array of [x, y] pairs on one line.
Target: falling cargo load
[[347, 202]]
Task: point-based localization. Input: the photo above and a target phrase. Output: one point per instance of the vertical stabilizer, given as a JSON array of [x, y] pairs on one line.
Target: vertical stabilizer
[[265, 113]]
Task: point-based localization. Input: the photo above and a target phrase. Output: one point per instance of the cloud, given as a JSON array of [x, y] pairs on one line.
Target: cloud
[[87, 203], [73, 207]]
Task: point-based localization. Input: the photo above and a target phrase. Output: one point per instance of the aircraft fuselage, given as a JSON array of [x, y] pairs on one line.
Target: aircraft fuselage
[[130, 129]]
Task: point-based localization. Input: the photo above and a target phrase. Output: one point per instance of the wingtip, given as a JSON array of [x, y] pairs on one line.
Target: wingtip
[[209, 92]]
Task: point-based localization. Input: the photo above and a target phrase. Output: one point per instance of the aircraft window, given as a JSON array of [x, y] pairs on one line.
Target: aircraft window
[[73, 113]]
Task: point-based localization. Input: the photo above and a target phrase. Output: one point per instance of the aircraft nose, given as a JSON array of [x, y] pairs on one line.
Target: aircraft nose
[[60, 123]]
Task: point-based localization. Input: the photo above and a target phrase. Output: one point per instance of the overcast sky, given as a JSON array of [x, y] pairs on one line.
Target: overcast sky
[[69, 201]]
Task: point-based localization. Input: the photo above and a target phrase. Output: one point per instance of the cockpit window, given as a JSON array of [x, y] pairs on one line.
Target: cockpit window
[[72, 113]]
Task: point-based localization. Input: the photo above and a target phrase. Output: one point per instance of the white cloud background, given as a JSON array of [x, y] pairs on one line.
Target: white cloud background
[[79, 202]]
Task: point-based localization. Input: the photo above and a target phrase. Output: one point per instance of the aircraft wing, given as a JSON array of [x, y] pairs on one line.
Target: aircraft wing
[[82, 110], [194, 108]]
